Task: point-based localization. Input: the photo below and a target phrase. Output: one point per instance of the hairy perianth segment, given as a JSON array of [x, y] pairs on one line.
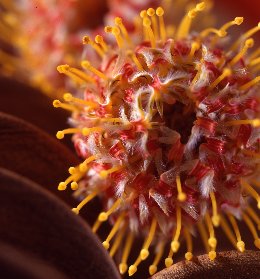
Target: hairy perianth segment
[[168, 126]]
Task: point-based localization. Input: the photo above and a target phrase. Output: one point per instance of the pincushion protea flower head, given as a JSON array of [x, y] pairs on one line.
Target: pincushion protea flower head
[[37, 45], [168, 126]]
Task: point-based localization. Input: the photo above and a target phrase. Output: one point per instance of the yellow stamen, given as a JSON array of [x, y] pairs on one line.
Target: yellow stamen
[[133, 268], [119, 23], [253, 215], [143, 15], [215, 217], [87, 131], [64, 69], [227, 231], [236, 21], [251, 191], [83, 166], [76, 176], [253, 122], [175, 244], [185, 25], [73, 170], [248, 34], [160, 13], [135, 60], [84, 202], [59, 104], [212, 254], [212, 241], [103, 216], [87, 41], [252, 229], [86, 65], [104, 173], [240, 243], [169, 261], [96, 226], [147, 24], [116, 32], [100, 40], [181, 195], [138, 24], [254, 62], [75, 74], [194, 47], [60, 134], [250, 83], [119, 39], [204, 235], [115, 228], [69, 98], [128, 245], [158, 256], [248, 44], [63, 186], [118, 241], [151, 13], [218, 32], [74, 186], [226, 72], [145, 252], [188, 254], [114, 120]]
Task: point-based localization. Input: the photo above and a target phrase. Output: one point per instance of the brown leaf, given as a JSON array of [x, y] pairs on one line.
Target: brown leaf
[[32, 153], [36, 222], [15, 263], [29, 104], [227, 265]]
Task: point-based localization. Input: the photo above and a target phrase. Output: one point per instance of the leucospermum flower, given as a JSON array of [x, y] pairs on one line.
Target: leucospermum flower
[[30, 52], [168, 126], [37, 37]]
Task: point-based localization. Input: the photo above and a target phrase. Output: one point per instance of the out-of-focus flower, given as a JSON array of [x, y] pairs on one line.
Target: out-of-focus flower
[[37, 30], [168, 126], [36, 37]]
